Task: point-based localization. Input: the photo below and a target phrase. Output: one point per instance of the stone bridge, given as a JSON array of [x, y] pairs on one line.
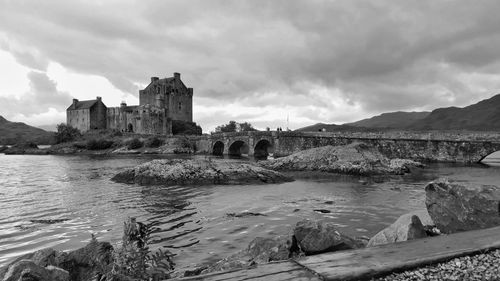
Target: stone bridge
[[420, 147]]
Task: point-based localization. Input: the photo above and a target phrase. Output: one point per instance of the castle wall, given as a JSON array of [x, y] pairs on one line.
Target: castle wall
[[181, 107], [79, 119], [142, 120], [113, 119], [98, 116], [147, 96]]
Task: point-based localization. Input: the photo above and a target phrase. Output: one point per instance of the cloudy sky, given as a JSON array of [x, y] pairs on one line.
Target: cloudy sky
[[257, 61]]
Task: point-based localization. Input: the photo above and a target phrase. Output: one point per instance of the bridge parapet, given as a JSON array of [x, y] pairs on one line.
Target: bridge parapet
[[447, 146]]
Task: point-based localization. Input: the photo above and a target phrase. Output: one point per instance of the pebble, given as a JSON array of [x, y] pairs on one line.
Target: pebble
[[484, 266]]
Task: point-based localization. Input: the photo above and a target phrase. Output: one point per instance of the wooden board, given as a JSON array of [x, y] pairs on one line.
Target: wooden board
[[376, 261], [280, 271]]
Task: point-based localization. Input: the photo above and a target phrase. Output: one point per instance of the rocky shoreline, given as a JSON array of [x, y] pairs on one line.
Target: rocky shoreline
[[315, 237], [108, 145], [199, 172], [355, 158], [308, 237], [479, 267]]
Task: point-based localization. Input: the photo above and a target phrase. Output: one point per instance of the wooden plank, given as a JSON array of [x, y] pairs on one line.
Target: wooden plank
[[377, 261], [279, 271]]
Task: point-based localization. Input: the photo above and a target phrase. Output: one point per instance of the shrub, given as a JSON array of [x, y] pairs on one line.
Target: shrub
[[66, 133], [26, 144], [116, 133], [185, 128], [135, 260], [134, 143], [80, 145], [234, 126], [154, 142], [99, 144]]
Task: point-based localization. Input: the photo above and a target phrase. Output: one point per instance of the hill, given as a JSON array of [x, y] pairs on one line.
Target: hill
[[331, 128], [482, 116], [48, 128], [16, 132], [392, 120]]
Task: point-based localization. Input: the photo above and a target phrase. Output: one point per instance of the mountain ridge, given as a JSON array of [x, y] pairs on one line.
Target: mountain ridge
[[393, 120], [16, 132], [481, 116]]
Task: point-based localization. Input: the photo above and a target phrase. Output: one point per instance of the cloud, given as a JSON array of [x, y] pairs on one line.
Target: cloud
[[42, 97], [374, 56]]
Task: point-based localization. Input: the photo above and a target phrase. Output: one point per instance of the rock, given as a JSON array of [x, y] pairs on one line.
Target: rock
[[259, 251], [79, 265], [42, 258], [407, 227], [57, 274], [199, 171], [403, 166], [86, 262], [424, 217], [456, 207], [28, 270], [315, 237], [264, 250], [355, 158]]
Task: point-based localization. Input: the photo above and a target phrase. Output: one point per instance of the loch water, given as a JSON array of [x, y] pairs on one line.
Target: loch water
[[59, 201]]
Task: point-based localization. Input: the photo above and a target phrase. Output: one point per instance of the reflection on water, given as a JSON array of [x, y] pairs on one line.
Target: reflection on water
[[492, 159], [76, 193]]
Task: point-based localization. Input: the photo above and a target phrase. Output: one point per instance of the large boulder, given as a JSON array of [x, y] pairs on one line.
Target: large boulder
[[456, 207], [49, 264], [406, 227], [29, 270], [355, 158], [315, 237], [199, 171], [86, 262]]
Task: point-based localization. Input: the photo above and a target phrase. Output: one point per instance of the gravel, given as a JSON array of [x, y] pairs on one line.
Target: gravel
[[484, 266]]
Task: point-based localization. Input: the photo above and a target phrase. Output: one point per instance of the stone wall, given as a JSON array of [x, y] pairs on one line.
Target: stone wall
[[420, 149], [79, 119], [98, 116], [141, 119], [170, 94], [416, 149], [203, 144], [181, 106]]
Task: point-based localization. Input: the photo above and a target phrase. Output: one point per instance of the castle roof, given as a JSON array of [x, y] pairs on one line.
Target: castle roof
[[84, 104], [174, 82]]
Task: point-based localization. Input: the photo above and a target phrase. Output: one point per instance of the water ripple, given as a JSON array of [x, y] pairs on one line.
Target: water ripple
[[59, 201]]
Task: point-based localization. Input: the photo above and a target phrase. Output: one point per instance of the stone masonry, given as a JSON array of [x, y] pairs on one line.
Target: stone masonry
[[162, 101]]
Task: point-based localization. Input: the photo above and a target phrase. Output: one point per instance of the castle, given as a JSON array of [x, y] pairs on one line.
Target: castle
[[162, 101]]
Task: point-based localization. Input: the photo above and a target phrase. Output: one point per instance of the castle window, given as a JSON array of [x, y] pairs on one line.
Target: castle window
[[180, 105]]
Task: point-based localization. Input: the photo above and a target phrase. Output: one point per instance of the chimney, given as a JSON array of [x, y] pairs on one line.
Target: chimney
[[177, 75], [154, 79], [99, 98], [75, 101]]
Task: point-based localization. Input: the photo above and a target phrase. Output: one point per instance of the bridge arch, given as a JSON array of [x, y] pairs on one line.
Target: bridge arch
[[218, 148], [492, 158], [238, 147], [262, 148]]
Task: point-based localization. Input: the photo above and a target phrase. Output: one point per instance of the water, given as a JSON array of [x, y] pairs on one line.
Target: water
[[192, 221]]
